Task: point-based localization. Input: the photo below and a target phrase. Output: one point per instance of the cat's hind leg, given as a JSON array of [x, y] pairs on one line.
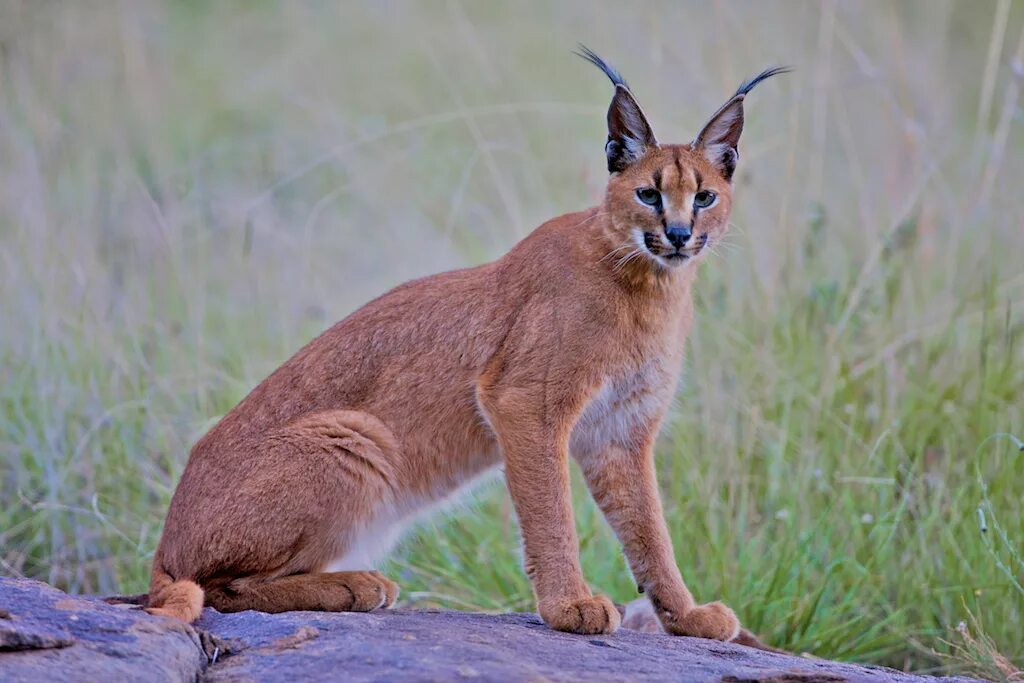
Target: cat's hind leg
[[267, 532], [359, 591]]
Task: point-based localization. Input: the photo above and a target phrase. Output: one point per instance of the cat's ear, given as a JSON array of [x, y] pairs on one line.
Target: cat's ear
[[719, 140], [629, 134]]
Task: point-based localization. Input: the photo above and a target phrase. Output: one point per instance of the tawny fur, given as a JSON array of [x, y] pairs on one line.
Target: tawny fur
[[178, 599], [570, 344]]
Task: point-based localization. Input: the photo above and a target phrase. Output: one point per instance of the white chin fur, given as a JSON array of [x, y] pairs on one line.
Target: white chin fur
[[670, 263]]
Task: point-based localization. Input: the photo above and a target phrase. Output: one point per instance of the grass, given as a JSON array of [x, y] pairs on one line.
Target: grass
[[189, 192]]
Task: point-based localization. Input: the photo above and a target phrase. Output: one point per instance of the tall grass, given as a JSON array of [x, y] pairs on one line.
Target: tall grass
[[190, 191]]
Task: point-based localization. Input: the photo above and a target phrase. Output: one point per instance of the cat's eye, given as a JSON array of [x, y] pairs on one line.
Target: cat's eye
[[649, 196], [704, 199]]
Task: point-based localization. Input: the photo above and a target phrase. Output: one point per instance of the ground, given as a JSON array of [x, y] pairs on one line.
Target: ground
[[47, 635]]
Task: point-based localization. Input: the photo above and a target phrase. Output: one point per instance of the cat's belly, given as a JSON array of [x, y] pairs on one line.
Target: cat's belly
[[373, 541]]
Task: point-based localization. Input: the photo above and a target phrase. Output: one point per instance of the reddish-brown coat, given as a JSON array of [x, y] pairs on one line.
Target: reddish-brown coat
[[571, 342]]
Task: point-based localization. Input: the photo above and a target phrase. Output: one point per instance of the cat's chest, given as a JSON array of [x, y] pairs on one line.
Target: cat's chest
[[626, 404]]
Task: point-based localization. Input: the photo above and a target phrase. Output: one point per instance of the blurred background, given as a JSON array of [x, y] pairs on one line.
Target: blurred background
[[190, 191]]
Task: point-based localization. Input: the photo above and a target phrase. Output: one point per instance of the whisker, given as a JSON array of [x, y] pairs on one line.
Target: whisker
[[617, 249], [620, 260], [590, 218], [627, 258]]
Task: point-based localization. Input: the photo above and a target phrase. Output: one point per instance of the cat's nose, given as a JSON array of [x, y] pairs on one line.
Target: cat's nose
[[678, 234]]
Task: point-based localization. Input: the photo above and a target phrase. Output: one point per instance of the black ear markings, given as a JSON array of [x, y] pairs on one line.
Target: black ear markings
[[719, 139], [629, 134], [727, 162]]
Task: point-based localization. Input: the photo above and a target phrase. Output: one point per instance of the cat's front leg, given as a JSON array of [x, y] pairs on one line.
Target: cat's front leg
[[535, 450], [622, 481]]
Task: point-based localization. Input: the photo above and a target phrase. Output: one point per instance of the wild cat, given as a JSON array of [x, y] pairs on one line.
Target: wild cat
[[570, 345]]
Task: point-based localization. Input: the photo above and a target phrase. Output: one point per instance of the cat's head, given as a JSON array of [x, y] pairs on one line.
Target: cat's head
[[668, 203]]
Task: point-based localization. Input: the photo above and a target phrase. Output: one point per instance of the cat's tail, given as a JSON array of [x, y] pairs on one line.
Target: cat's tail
[[178, 599]]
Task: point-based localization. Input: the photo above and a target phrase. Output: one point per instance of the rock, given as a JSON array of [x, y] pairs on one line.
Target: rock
[[50, 636], [55, 637], [428, 645]]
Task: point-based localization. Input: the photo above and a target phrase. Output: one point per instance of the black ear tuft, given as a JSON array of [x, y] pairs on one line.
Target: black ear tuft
[[629, 134], [719, 139], [613, 75], [748, 85]]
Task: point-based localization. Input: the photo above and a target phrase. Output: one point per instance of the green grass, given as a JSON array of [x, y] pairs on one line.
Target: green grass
[[190, 192]]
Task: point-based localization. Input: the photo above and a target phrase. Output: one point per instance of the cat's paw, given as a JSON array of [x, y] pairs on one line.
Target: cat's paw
[[360, 591], [587, 616], [390, 589], [714, 621]]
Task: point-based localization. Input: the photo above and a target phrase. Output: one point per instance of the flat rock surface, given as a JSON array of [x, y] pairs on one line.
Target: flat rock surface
[[48, 635]]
